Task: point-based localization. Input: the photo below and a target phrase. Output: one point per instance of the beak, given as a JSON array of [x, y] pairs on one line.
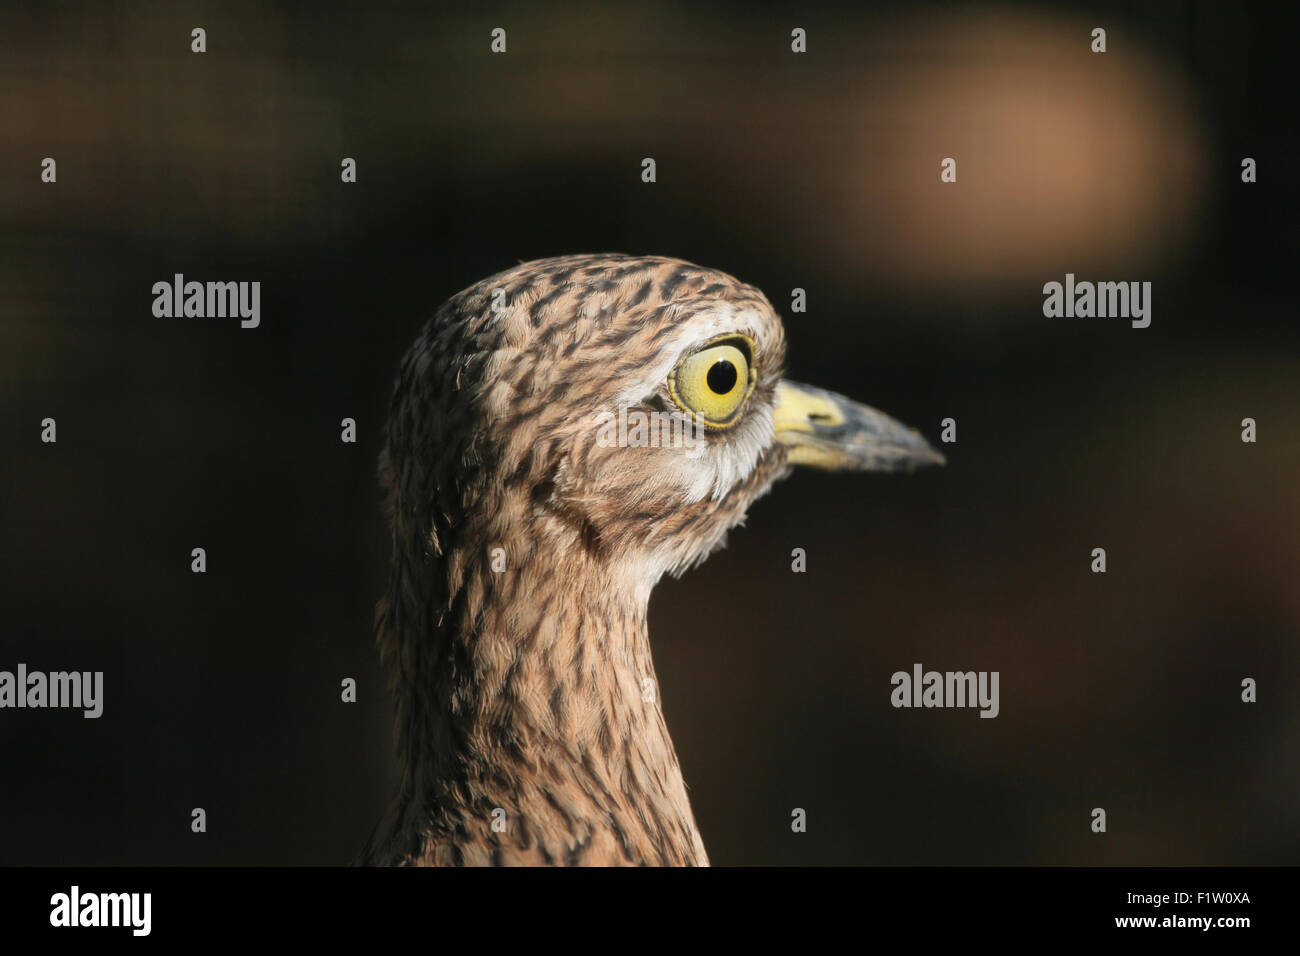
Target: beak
[[834, 433]]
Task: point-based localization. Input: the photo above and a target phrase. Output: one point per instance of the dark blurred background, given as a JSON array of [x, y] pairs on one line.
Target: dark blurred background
[[818, 171]]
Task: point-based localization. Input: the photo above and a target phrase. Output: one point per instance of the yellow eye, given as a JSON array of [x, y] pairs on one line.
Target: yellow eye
[[713, 383]]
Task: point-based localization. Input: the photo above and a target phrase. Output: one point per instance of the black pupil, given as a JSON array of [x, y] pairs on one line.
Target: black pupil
[[722, 377]]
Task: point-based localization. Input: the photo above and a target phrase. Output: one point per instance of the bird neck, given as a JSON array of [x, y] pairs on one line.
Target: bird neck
[[535, 732]]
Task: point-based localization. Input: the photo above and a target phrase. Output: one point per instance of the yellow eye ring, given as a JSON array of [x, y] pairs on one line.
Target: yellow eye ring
[[713, 383]]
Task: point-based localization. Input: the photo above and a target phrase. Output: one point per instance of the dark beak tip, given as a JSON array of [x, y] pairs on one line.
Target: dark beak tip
[[926, 461], [924, 454]]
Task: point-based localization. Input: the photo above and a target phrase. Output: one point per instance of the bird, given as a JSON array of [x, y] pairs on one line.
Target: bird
[[525, 547]]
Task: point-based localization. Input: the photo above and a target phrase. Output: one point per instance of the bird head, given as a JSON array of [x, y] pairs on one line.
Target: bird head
[[561, 435], [628, 409]]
